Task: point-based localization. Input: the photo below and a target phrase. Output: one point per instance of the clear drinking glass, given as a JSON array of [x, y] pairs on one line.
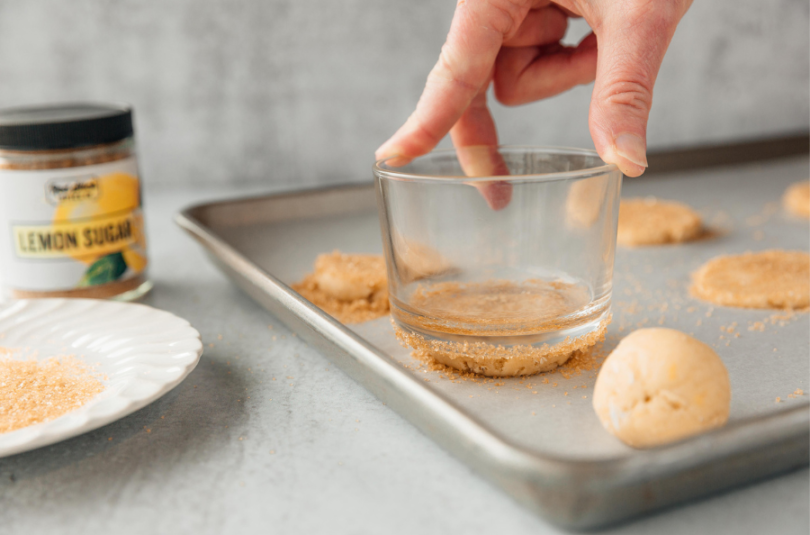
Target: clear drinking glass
[[517, 251]]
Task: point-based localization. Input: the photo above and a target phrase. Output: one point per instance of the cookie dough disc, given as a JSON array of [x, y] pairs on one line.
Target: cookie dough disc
[[769, 279], [797, 199], [659, 386], [498, 360], [350, 276], [416, 261], [352, 288], [654, 222]]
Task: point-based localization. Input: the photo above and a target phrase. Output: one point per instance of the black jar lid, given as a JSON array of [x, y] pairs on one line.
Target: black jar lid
[[63, 126]]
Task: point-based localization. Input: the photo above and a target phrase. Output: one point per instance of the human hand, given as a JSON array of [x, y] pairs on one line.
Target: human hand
[[516, 45]]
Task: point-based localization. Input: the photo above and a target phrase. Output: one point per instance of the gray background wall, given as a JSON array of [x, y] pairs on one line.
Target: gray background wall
[[302, 92]]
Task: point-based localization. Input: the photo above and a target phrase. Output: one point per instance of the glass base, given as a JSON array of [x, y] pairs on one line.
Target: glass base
[[505, 357], [557, 331]]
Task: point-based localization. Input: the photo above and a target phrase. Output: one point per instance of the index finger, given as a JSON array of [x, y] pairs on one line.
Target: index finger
[[465, 64]]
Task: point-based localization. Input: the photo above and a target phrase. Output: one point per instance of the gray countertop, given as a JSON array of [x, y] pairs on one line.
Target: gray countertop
[[267, 436]]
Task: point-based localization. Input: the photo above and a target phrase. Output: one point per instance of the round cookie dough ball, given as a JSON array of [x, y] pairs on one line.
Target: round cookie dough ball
[[797, 199], [659, 386], [768, 279], [652, 221]]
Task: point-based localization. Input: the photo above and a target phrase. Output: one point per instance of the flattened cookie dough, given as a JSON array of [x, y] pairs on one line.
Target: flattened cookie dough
[[652, 221], [350, 276], [495, 309], [498, 360], [661, 385], [417, 261], [797, 199], [350, 287], [768, 279]]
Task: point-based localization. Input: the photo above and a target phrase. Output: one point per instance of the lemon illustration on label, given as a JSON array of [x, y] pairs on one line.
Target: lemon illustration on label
[[105, 230]]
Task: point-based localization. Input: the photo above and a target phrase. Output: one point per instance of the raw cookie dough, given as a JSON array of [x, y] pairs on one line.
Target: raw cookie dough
[[797, 199], [498, 360], [498, 309], [350, 276], [768, 279], [652, 221], [416, 261], [495, 307], [350, 287], [584, 202], [659, 386]]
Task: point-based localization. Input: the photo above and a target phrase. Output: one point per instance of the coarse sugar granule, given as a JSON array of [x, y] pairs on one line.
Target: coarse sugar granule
[[757, 326], [33, 392]]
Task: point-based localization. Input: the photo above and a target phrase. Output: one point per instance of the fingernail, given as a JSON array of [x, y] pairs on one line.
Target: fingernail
[[392, 158], [397, 161], [383, 151], [633, 148]]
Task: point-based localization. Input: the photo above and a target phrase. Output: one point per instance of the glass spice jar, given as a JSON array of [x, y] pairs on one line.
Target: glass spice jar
[[71, 223]]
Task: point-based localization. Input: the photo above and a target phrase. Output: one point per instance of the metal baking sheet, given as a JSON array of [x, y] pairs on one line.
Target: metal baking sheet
[[541, 442]]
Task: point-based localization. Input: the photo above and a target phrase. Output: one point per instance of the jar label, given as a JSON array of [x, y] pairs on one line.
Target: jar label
[[62, 229]]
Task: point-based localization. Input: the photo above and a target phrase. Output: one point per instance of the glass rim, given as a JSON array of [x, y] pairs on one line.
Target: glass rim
[[604, 168]]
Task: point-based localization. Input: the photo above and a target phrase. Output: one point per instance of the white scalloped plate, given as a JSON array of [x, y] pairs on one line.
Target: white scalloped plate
[[143, 352]]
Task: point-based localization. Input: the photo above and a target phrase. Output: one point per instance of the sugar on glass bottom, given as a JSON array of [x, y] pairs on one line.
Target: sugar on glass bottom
[[501, 328]]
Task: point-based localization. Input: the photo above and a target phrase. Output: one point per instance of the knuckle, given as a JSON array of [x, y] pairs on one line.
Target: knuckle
[[507, 81], [507, 16], [558, 22], [505, 93], [657, 13], [420, 129], [427, 133], [446, 71], [559, 30], [634, 96]]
